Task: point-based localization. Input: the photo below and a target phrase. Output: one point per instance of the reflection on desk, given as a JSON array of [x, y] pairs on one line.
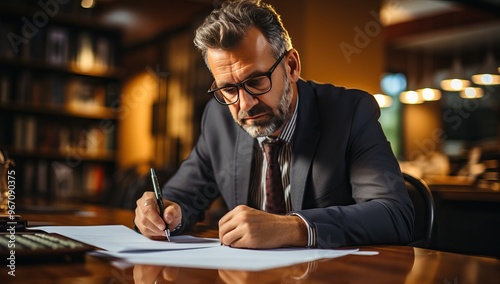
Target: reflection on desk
[[394, 264]]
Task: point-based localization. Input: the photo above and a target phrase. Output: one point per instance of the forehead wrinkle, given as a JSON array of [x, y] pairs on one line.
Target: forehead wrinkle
[[234, 72]]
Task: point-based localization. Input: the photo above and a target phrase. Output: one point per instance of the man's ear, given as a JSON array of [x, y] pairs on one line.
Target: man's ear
[[293, 65]]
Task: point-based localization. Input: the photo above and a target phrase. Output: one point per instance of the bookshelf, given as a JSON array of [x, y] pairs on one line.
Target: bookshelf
[[60, 86]]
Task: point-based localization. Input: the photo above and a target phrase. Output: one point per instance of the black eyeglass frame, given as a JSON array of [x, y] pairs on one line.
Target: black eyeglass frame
[[242, 84]]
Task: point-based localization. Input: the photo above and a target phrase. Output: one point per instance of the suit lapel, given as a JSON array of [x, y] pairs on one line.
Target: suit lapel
[[242, 167], [306, 137]]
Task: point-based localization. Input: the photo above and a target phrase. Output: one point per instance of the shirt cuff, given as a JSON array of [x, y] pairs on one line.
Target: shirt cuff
[[311, 231]]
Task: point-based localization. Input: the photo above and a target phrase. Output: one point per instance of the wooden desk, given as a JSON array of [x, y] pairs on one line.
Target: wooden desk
[[394, 264]]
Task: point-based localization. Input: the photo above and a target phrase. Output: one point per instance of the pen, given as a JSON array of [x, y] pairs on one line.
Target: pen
[[159, 200]]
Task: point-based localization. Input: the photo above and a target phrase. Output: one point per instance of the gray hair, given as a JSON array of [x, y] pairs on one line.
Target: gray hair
[[226, 27]]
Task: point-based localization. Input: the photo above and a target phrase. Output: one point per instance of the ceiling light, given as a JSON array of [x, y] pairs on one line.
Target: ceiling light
[[383, 101], [393, 84], [411, 97], [471, 93], [455, 81], [429, 94], [486, 73], [87, 3], [427, 91]]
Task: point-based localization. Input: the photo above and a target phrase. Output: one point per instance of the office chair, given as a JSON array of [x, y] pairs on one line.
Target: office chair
[[423, 204]]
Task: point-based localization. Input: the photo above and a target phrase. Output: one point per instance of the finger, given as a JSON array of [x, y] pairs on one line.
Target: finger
[[232, 239], [231, 220], [151, 231], [172, 214], [147, 219], [224, 219], [225, 225], [229, 232], [151, 212]]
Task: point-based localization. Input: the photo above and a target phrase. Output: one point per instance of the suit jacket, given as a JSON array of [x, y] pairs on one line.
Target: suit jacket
[[345, 180]]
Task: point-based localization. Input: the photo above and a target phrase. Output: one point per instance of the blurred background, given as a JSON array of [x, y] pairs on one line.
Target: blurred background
[[95, 92]]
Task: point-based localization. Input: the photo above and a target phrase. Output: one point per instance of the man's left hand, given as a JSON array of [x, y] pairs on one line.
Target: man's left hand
[[245, 227]]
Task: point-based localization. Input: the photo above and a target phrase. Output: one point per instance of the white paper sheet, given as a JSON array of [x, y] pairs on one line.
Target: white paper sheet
[[118, 238], [186, 251], [223, 257]]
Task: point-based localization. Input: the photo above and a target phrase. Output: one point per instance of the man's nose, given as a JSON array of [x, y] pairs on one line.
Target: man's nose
[[247, 101]]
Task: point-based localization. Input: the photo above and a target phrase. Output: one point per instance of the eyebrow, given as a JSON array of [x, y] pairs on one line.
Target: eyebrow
[[253, 74]]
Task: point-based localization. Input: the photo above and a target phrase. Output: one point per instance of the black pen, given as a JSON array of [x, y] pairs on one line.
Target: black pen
[[159, 200]]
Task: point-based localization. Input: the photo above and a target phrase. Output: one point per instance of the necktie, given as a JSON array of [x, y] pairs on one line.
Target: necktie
[[275, 199]]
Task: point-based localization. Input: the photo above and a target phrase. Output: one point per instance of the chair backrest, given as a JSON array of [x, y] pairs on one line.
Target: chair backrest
[[423, 204]]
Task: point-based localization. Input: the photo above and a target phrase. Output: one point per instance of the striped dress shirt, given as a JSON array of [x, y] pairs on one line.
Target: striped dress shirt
[[258, 183]]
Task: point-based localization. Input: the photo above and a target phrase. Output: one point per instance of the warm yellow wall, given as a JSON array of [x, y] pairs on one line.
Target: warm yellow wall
[[422, 129], [180, 102], [319, 27], [173, 59], [135, 142]]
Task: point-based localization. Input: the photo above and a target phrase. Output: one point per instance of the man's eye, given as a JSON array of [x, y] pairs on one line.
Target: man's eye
[[229, 91], [258, 83]]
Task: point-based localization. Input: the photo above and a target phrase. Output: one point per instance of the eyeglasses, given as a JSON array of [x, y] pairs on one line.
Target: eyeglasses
[[255, 86]]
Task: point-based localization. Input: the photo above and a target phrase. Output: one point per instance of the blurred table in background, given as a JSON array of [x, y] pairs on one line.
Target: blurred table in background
[[467, 216]]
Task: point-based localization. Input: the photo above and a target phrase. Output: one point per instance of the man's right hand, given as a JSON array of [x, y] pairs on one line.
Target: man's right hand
[[147, 216]]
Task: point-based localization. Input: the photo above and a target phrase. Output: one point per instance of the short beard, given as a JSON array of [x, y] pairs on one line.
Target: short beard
[[277, 120]]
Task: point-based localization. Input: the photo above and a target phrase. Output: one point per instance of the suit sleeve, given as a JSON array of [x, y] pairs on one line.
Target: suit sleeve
[[383, 212], [193, 186]]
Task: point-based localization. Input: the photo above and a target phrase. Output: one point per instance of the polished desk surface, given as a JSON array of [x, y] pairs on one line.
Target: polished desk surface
[[394, 264]]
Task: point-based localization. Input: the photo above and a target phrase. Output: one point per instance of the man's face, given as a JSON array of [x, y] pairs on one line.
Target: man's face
[[263, 115]]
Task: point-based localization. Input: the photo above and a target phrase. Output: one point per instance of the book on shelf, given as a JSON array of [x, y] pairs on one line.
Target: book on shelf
[[6, 132], [85, 93], [40, 92], [32, 47], [103, 54], [64, 135], [57, 46], [7, 44], [93, 179], [24, 86], [48, 137], [30, 134], [56, 89], [112, 94], [63, 180], [93, 139], [35, 47], [25, 131], [79, 92], [42, 174], [29, 179], [5, 88]]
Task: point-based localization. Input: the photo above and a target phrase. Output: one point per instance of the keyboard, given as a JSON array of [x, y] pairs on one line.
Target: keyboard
[[41, 246]]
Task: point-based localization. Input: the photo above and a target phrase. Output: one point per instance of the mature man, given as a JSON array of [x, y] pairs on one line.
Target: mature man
[[335, 181]]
